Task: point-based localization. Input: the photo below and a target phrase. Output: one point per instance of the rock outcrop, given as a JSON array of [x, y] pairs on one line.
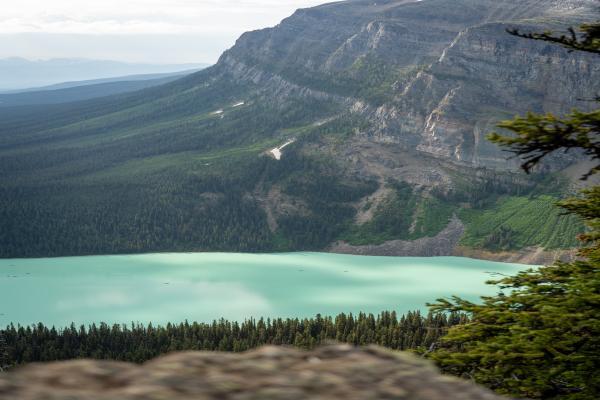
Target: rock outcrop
[[330, 372], [443, 244], [449, 69]]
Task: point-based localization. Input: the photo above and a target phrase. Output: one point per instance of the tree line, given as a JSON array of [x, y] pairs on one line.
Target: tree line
[[138, 343]]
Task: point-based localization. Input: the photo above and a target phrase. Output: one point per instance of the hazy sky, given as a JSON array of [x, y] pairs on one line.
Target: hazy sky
[[157, 31]]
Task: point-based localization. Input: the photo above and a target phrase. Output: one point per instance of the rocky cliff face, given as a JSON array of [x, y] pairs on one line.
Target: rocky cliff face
[[428, 80], [331, 372], [444, 71]]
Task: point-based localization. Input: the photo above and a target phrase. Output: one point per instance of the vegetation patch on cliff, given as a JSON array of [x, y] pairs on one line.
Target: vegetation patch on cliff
[[516, 222]]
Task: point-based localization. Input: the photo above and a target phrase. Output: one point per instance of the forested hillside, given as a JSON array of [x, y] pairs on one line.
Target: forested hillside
[[386, 115]]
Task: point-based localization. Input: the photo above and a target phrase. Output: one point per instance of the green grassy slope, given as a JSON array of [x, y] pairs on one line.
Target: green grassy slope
[[517, 222]]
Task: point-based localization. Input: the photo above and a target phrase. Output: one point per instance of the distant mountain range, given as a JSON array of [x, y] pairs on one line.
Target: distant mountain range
[[384, 106], [19, 73], [85, 90]]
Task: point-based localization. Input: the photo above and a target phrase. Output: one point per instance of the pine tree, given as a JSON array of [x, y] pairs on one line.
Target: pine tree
[[4, 357]]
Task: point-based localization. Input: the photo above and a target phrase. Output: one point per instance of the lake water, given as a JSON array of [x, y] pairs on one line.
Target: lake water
[[160, 288]]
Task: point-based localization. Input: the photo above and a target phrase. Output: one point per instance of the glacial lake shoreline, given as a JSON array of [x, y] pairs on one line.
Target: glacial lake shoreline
[[174, 287]]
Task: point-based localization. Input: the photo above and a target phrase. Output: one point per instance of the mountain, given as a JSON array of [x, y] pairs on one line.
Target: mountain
[[354, 126], [84, 90], [19, 73], [89, 82]]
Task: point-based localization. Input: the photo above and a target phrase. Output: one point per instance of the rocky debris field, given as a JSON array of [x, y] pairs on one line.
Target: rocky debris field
[[443, 244], [329, 372]]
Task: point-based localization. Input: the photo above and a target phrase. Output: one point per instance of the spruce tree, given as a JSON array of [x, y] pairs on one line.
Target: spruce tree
[[4, 357]]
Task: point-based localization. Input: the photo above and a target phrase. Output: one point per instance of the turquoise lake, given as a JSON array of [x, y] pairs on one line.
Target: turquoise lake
[[160, 288]]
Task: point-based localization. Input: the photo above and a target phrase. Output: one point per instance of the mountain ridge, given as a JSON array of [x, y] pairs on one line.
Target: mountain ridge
[[19, 73], [135, 77], [68, 92]]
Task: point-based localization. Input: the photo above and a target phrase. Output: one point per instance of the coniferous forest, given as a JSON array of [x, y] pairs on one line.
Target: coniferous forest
[[139, 343]]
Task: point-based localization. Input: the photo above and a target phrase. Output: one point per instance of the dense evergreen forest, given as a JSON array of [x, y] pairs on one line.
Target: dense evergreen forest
[[138, 343]]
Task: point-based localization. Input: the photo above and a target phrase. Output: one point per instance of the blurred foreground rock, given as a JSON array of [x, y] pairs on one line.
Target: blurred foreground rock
[[330, 372]]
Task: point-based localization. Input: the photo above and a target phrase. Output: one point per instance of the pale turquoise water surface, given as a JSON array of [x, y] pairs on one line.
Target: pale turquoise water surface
[[206, 286]]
